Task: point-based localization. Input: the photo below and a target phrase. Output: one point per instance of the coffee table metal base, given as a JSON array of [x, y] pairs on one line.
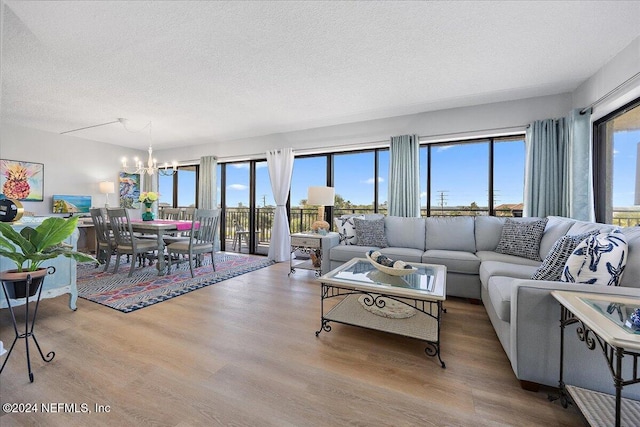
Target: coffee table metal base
[[424, 325]]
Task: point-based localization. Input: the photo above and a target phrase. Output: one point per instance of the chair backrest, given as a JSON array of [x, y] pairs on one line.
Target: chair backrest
[[100, 225], [187, 213], [171, 213], [204, 226], [121, 226], [237, 225]]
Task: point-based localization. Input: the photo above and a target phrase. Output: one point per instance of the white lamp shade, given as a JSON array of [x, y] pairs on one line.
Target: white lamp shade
[[107, 187], [323, 196]]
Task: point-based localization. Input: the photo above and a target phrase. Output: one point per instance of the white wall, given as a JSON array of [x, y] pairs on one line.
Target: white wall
[[461, 121], [72, 165], [615, 72]]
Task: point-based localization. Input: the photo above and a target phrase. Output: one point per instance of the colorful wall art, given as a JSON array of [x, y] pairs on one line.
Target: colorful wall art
[[21, 180], [129, 190]]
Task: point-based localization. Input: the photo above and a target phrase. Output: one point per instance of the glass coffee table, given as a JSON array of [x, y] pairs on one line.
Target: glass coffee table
[[410, 305]]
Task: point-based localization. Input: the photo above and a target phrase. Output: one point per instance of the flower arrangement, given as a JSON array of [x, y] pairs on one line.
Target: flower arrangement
[[148, 196]]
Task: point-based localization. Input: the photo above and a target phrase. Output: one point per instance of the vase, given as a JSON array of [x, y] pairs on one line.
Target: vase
[[147, 215]]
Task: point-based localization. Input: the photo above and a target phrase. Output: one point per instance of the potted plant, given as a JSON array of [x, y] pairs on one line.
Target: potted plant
[[148, 197], [29, 248]]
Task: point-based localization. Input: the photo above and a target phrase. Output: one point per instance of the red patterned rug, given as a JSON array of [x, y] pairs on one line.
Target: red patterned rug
[[145, 287]]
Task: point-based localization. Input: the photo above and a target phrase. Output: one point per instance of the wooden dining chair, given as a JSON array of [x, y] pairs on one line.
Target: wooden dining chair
[[204, 228], [126, 241], [106, 243]]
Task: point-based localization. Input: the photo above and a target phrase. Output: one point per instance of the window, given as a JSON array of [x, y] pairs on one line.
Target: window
[[508, 176], [616, 159], [179, 189], [307, 172], [354, 182]]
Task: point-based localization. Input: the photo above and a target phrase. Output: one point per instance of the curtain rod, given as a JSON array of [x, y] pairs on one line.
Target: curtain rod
[[378, 144], [611, 92]]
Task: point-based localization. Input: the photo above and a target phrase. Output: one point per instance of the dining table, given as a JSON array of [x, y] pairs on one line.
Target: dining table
[[159, 228]]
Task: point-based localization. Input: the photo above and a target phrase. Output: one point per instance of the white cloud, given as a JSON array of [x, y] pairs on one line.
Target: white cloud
[[240, 165], [423, 195], [443, 148], [372, 180], [616, 152], [238, 187]]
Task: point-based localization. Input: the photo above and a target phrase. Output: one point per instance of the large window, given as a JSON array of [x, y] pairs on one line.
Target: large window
[[307, 172], [617, 160], [354, 182], [481, 177], [179, 189]]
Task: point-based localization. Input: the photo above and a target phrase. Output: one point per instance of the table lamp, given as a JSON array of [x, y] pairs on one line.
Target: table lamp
[[321, 196], [106, 188]]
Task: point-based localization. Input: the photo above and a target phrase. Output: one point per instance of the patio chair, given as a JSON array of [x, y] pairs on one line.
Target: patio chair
[[204, 227], [126, 241], [240, 235]]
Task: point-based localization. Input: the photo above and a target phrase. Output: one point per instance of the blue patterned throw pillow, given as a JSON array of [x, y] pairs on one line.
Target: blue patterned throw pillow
[[347, 229], [598, 260], [522, 238], [553, 265]]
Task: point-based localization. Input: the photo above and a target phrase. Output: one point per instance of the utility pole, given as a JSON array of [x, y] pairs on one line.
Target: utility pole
[[442, 199]]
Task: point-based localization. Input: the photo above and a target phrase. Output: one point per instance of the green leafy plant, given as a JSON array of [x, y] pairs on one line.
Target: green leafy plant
[[35, 245]]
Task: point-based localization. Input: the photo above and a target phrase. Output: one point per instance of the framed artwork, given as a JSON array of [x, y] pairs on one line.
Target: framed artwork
[[129, 188], [22, 180]]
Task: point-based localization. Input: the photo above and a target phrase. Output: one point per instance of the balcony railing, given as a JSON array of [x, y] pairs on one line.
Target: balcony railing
[[302, 218]]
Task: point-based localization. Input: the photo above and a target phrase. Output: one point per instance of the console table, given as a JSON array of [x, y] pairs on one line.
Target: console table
[[602, 322], [308, 243]]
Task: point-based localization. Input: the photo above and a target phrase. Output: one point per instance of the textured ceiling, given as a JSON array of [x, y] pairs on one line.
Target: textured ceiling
[[218, 71]]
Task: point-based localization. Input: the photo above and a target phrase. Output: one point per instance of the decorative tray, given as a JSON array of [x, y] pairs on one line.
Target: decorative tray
[[390, 270]]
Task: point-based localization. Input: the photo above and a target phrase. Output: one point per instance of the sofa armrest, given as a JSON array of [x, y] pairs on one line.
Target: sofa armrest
[[535, 335], [329, 241]]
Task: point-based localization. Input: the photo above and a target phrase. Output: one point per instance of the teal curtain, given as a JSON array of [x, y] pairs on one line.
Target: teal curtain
[[207, 190], [558, 168], [404, 176]]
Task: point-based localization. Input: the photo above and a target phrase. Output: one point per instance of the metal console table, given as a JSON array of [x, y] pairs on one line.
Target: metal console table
[[602, 322]]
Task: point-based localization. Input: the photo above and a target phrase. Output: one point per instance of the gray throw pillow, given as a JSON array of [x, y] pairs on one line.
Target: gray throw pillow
[[552, 266], [522, 238], [370, 232]]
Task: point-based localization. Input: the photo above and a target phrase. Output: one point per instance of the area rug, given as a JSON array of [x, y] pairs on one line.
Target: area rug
[[145, 287]]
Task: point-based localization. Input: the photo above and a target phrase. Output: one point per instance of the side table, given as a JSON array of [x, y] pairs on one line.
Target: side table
[[308, 243], [29, 323], [602, 322]]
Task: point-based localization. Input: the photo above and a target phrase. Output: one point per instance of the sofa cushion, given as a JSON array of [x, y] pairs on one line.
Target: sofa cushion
[[344, 253], [556, 227], [451, 233], [598, 260], [487, 232], [403, 254], [512, 259], [404, 232], [500, 295], [580, 227], [522, 238], [455, 261], [370, 232], [631, 276], [553, 265], [489, 269], [347, 229]]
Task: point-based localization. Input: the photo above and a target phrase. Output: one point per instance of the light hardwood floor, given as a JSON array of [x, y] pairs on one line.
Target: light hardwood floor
[[243, 352]]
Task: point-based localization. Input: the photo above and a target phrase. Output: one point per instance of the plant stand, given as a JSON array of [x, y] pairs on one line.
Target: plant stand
[[29, 324]]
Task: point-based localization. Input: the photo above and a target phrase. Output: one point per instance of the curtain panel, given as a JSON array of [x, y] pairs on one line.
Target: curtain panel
[[404, 176], [280, 163], [207, 190], [558, 174]]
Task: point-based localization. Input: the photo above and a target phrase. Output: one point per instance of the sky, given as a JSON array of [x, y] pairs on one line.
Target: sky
[[459, 176]]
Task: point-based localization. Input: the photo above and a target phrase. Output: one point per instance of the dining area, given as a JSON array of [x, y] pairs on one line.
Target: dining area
[[165, 241]]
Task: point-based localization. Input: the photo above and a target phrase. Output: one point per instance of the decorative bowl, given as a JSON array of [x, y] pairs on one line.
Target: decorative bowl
[[390, 270]]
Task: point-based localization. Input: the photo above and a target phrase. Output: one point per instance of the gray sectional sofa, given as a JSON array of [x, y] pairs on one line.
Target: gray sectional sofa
[[522, 311]]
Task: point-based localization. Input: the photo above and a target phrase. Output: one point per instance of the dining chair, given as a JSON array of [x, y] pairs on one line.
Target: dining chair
[[126, 241], [171, 213], [106, 243], [204, 227]]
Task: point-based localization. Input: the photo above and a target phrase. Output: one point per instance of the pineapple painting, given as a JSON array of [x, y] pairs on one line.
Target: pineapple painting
[[21, 180]]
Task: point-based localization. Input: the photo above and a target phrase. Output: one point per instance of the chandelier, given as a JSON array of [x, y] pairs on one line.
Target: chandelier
[[151, 167]]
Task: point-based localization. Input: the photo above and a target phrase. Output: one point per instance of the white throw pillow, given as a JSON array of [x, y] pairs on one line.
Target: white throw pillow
[[598, 260], [345, 225]]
